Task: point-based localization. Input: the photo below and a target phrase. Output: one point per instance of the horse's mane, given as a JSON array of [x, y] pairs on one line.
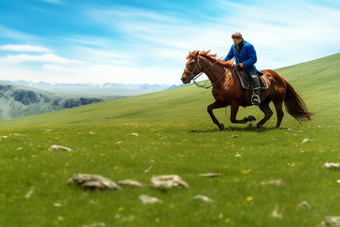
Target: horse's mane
[[207, 53]]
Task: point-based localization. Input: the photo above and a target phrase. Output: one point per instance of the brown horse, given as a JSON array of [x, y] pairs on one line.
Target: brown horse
[[227, 90]]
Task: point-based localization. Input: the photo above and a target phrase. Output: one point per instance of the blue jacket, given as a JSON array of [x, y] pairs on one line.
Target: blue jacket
[[247, 56]]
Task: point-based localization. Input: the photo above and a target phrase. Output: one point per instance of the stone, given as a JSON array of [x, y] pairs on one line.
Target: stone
[[272, 182], [129, 182], [277, 213], [149, 200], [134, 134], [47, 130], [5, 137], [305, 140], [93, 182], [305, 205], [204, 198], [331, 165], [57, 147], [167, 182], [29, 193], [332, 221]]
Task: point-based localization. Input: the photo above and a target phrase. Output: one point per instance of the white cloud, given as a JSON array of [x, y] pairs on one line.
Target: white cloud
[[118, 74], [58, 68], [92, 41], [284, 35], [107, 56], [52, 58], [150, 46], [25, 48]]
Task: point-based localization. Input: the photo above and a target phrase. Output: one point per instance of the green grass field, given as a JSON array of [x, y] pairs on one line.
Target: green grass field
[[176, 136]]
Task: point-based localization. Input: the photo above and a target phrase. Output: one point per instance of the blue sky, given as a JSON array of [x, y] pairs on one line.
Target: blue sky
[[79, 41]]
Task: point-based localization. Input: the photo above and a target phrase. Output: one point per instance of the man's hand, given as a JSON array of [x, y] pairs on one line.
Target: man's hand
[[241, 65]]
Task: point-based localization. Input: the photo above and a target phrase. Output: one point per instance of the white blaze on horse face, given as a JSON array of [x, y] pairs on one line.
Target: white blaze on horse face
[[192, 61]]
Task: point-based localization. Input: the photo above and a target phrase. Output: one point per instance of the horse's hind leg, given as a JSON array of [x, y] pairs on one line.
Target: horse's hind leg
[[264, 106], [212, 106]]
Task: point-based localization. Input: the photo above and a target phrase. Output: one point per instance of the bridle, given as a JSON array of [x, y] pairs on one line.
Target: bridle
[[191, 74], [194, 78]]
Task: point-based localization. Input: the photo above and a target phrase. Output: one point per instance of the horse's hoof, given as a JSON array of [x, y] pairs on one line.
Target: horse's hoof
[[258, 126], [221, 126], [251, 118]]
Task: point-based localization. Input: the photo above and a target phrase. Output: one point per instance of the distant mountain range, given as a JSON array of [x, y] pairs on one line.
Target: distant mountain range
[[22, 98], [19, 101], [106, 89]]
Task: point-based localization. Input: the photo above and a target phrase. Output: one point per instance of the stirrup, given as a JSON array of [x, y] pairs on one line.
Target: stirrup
[[252, 100]]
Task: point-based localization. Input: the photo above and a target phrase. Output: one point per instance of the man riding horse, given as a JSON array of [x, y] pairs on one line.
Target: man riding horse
[[245, 55]]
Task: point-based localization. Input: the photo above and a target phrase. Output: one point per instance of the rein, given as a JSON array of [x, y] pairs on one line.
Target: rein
[[212, 85], [231, 74]]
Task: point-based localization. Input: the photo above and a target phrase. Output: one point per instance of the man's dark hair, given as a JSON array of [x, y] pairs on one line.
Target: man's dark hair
[[236, 35]]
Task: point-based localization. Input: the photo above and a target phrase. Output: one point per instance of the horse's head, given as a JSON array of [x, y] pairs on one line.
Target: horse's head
[[192, 67]]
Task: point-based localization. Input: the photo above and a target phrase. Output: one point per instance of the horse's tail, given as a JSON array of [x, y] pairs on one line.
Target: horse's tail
[[295, 106]]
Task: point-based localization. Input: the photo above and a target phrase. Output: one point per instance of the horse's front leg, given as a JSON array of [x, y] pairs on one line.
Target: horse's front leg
[[212, 106], [234, 109]]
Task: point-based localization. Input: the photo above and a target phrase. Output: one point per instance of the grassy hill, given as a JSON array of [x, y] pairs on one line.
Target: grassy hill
[[176, 136], [315, 81]]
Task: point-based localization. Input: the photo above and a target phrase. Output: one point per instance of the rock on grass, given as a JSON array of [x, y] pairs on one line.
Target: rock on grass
[[332, 221], [168, 181], [129, 182], [93, 182], [149, 200], [57, 147], [331, 165], [203, 198]]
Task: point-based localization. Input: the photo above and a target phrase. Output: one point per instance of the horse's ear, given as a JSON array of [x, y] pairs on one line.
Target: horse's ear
[[189, 55], [197, 53]]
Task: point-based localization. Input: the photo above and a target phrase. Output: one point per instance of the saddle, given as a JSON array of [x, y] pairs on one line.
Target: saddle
[[245, 81]]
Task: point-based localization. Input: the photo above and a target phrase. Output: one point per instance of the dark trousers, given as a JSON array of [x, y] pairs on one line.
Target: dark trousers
[[254, 78]]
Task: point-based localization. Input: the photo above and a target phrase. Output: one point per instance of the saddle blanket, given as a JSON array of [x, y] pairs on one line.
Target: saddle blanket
[[246, 83]]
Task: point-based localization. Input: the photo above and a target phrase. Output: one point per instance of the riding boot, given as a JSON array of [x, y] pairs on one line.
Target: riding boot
[[256, 99], [256, 83]]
